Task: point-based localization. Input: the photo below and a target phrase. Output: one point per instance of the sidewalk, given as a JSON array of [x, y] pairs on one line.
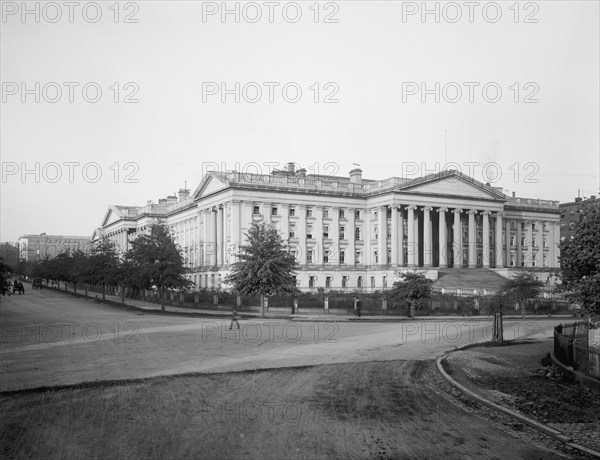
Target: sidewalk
[[513, 377], [225, 312]]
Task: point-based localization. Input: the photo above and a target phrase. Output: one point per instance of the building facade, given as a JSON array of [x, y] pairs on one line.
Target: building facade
[[348, 232], [39, 247]]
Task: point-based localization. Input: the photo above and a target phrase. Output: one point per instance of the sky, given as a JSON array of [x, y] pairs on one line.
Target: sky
[[124, 102]]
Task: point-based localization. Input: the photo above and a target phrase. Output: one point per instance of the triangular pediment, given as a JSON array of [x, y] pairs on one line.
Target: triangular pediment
[[209, 185], [113, 214], [455, 184]]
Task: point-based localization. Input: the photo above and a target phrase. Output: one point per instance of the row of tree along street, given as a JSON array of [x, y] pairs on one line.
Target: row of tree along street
[[265, 268]]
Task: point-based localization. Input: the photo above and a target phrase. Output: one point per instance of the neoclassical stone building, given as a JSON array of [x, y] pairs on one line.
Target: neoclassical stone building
[[350, 232]]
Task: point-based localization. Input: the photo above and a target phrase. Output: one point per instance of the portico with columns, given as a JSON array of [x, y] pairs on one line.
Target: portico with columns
[[350, 233]]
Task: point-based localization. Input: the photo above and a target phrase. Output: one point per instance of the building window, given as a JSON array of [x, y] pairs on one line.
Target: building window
[[372, 281], [342, 257], [292, 212], [375, 232], [533, 262], [522, 241], [309, 256], [325, 213], [274, 211], [256, 209], [292, 230], [357, 233], [389, 256], [359, 282], [522, 260], [375, 257], [545, 261], [389, 232], [309, 230], [342, 232], [342, 214], [325, 257], [294, 254], [328, 282], [533, 242], [522, 226], [388, 213], [325, 231], [533, 226], [357, 215], [512, 240], [357, 257], [375, 214], [309, 212], [512, 260], [311, 281], [544, 242]]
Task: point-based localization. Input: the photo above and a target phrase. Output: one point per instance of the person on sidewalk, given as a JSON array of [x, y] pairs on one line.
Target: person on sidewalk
[[358, 306], [234, 319]]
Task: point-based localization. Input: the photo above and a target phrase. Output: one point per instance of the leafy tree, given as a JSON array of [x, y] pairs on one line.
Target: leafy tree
[[155, 260], [9, 252], [414, 288], [264, 266], [104, 264], [580, 258], [523, 287], [5, 273]]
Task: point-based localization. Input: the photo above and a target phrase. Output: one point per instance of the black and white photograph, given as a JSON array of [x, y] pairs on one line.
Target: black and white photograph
[[300, 229]]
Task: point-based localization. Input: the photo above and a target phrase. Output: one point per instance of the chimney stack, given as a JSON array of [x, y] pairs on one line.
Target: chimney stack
[[291, 167], [356, 176], [183, 194], [513, 194]]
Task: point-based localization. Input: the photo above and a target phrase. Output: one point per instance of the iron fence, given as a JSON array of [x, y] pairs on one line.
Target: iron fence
[[574, 347]]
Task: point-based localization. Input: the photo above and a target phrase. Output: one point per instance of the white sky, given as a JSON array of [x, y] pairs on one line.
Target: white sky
[[547, 150]]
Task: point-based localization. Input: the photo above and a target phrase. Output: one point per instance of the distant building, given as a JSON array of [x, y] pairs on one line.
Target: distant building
[[37, 247], [568, 216], [349, 232]]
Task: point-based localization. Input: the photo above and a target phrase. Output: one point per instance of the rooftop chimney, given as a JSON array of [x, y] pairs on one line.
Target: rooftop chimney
[[291, 167], [171, 199], [356, 176], [162, 201], [301, 172], [183, 193], [514, 194]]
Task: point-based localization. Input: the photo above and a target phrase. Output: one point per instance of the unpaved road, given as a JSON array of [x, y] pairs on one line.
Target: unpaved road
[[381, 410], [49, 339]]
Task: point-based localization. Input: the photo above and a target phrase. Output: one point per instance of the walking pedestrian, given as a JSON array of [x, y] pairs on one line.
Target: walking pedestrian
[[234, 319]]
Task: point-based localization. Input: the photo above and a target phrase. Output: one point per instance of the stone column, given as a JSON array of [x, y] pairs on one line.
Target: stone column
[[457, 242], [519, 249], [427, 240], [220, 239], [382, 241], [318, 235], [301, 232], [528, 244], [539, 237], [395, 235], [442, 240], [499, 241], [412, 246], [284, 209], [350, 236], [334, 235], [236, 238], [472, 239], [486, 238]]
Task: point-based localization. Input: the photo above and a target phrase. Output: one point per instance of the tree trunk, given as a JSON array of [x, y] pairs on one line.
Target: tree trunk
[[162, 299], [262, 305], [123, 294], [498, 334], [103, 292]]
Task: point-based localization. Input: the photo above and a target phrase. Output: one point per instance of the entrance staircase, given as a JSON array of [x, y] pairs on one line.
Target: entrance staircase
[[469, 278]]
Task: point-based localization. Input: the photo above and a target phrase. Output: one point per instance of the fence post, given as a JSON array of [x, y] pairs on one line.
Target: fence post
[[326, 303], [295, 304], [196, 299], [181, 299], [384, 306], [215, 299]]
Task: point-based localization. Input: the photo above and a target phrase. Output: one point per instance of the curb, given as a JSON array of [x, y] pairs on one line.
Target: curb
[[539, 426]]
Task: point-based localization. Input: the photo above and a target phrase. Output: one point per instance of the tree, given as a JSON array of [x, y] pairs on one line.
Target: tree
[[495, 306], [5, 273], [580, 258], [264, 266], [414, 288], [104, 264], [155, 260], [523, 287]]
